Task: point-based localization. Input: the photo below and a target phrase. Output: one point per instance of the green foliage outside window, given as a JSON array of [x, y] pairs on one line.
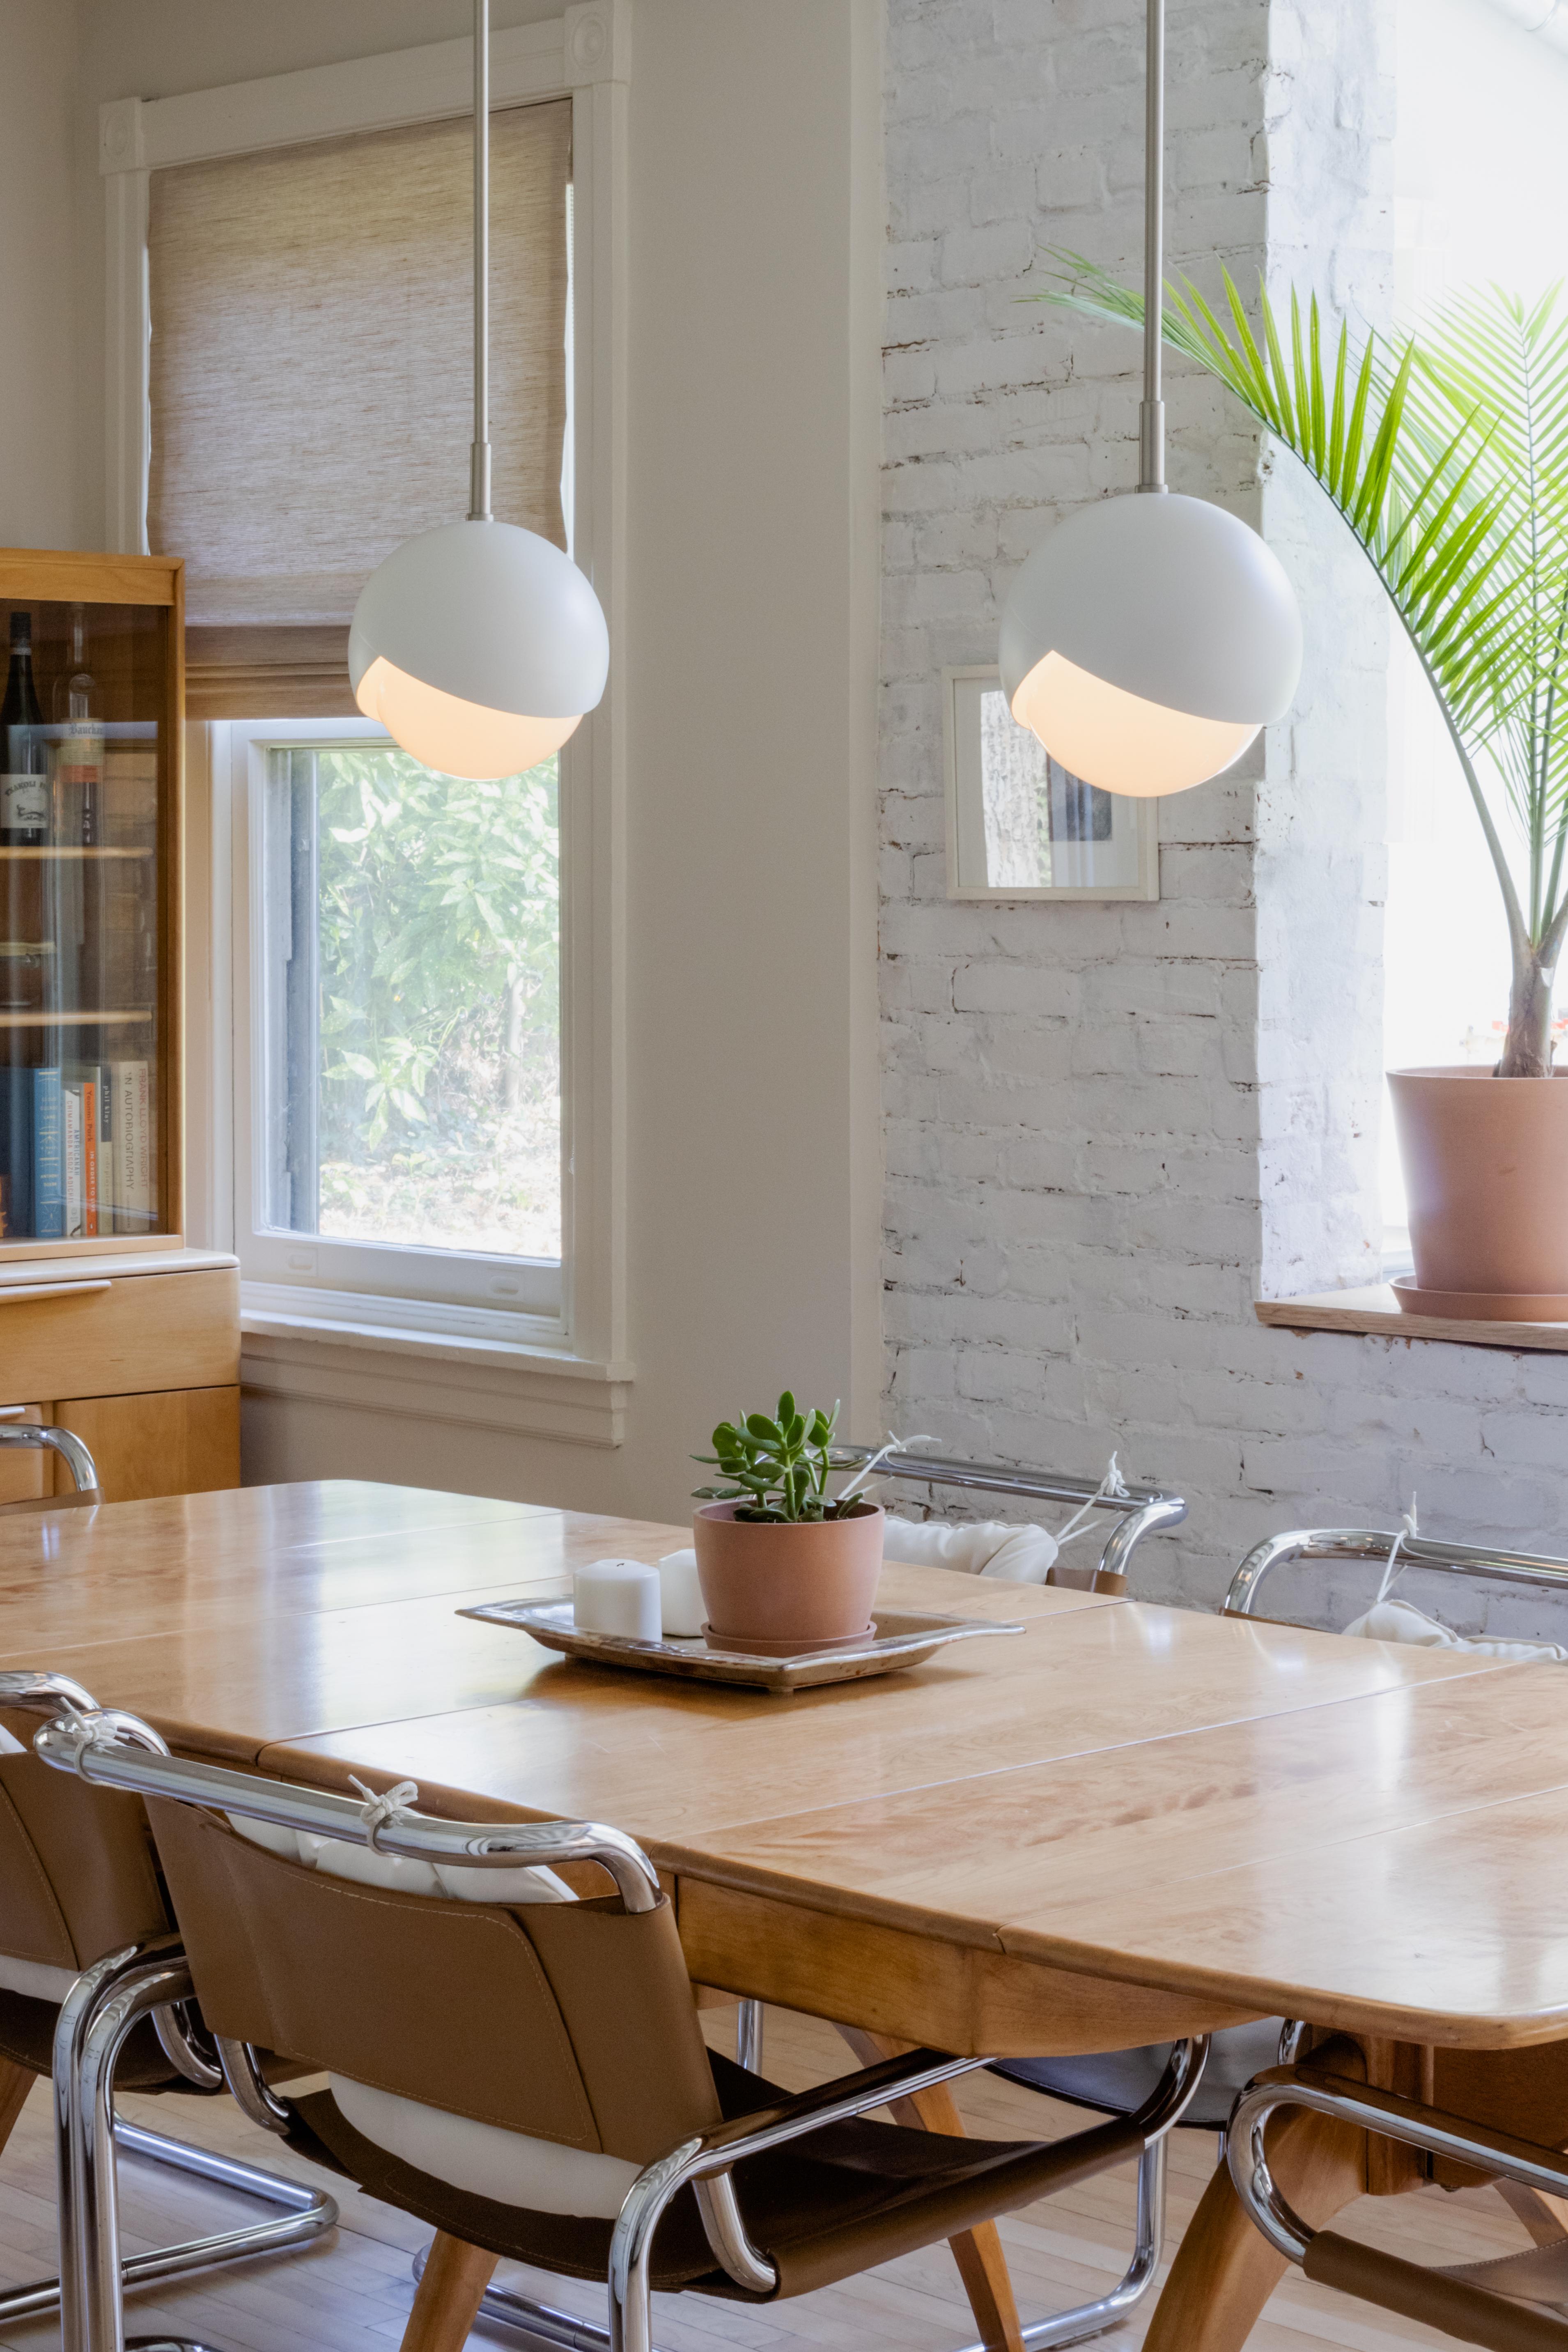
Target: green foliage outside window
[[439, 941]]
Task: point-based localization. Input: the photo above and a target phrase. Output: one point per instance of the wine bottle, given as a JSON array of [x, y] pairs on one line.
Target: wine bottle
[[77, 911], [79, 737], [24, 825], [24, 776]]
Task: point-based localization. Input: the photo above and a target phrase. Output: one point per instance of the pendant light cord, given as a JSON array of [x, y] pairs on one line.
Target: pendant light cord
[[479, 457], [1152, 414]]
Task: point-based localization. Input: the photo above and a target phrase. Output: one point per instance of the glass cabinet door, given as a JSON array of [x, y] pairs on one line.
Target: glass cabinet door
[[86, 763]]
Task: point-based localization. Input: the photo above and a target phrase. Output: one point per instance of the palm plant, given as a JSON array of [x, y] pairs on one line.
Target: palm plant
[[1446, 452]]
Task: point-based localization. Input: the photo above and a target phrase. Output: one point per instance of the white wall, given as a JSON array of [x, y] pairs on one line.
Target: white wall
[[37, 343], [1110, 1129], [749, 674]]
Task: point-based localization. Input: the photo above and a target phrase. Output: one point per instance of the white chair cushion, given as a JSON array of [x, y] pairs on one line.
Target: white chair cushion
[[37, 1981], [512, 2167], [1017, 1555], [1399, 1620]]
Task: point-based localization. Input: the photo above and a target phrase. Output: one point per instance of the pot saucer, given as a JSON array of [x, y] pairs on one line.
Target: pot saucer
[[753, 1645], [1481, 1305]]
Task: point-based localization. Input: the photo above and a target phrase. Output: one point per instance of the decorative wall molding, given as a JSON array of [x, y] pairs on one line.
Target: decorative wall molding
[[598, 41]]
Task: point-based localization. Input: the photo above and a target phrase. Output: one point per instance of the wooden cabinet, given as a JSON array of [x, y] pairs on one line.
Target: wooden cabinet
[[109, 1325], [139, 1357]]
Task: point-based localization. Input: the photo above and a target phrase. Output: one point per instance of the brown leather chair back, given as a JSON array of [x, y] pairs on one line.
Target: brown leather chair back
[[77, 1876], [573, 2021], [1079, 1579]]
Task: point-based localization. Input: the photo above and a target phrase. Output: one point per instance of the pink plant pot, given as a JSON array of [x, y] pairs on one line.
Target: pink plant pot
[[1486, 1173], [802, 1585]]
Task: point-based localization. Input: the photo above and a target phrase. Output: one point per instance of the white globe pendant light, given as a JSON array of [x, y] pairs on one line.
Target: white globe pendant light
[[1150, 637], [478, 647]]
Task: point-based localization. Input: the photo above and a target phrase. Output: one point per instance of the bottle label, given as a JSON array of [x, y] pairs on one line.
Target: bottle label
[[79, 758], [24, 804]]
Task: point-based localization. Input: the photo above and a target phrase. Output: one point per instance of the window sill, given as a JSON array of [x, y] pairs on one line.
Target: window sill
[[1377, 1312], [484, 1370]]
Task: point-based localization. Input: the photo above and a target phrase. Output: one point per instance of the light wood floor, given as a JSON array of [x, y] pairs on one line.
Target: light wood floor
[[354, 2291]]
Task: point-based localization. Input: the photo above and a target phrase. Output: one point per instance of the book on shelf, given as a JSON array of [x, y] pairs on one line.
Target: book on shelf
[[107, 1204], [48, 1221], [71, 1160], [17, 1150], [132, 1118], [80, 1096]]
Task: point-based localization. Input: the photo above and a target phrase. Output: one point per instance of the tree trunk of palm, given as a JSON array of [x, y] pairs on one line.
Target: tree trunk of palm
[[1527, 1048]]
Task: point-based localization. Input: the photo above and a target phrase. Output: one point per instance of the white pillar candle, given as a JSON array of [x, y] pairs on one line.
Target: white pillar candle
[[685, 1611], [617, 1596]]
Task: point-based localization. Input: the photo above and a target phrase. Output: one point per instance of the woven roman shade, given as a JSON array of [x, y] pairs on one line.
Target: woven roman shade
[[312, 380]]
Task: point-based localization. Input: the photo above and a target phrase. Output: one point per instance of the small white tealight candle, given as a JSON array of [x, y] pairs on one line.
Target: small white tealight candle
[[617, 1596], [684, 1609]]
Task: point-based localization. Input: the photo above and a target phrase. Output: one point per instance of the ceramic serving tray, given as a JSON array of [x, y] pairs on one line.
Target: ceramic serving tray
[[901, 1637]]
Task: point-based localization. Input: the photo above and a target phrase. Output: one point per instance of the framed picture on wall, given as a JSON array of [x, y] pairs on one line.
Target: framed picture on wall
[[1020, 826]]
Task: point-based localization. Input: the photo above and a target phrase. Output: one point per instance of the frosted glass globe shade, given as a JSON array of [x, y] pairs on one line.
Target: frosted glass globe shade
[[1148, 640], [478, 647]]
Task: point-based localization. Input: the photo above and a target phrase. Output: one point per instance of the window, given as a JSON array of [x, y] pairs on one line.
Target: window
[[255, 219], [400, 966]]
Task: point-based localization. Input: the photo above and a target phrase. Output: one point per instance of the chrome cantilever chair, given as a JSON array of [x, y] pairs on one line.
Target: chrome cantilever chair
[[1138, 1511], [86, 1935], [1517, 2302], [1317, 1546], [523, 2070], [1113, 2081], [72, 1453]]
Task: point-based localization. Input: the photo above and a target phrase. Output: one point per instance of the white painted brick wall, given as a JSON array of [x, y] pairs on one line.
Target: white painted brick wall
[[1110, 1128]]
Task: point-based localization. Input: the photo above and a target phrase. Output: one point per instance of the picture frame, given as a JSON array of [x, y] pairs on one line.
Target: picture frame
[[1018, 825]]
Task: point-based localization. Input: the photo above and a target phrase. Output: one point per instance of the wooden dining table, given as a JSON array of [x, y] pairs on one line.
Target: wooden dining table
[[1120, 1824]]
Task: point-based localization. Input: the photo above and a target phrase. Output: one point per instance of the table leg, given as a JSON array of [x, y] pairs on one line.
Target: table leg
[[447, 2298], [1226, 2270], [982, 2263], [16, 2081]]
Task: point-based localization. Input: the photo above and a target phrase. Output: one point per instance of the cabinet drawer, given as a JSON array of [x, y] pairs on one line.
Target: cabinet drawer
[[138, 1332], [181, 1441]]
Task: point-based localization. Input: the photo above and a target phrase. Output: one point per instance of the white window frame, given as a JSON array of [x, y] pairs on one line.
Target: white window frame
[[520, 1286], [583, 55]]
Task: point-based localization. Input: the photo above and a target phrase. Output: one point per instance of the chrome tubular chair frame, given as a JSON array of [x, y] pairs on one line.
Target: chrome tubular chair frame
[[68, 1445], [1324, 1544], [107, 1750], [98, 2014], [1385, 2279], [1141, 1511]]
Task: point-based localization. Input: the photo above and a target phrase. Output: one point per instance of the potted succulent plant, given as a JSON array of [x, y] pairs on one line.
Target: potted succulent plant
[[1446, 452], [782, 1565]]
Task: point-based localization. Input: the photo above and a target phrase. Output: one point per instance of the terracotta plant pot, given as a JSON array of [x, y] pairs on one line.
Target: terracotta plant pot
[[1486, 1174], [779, 1588]]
